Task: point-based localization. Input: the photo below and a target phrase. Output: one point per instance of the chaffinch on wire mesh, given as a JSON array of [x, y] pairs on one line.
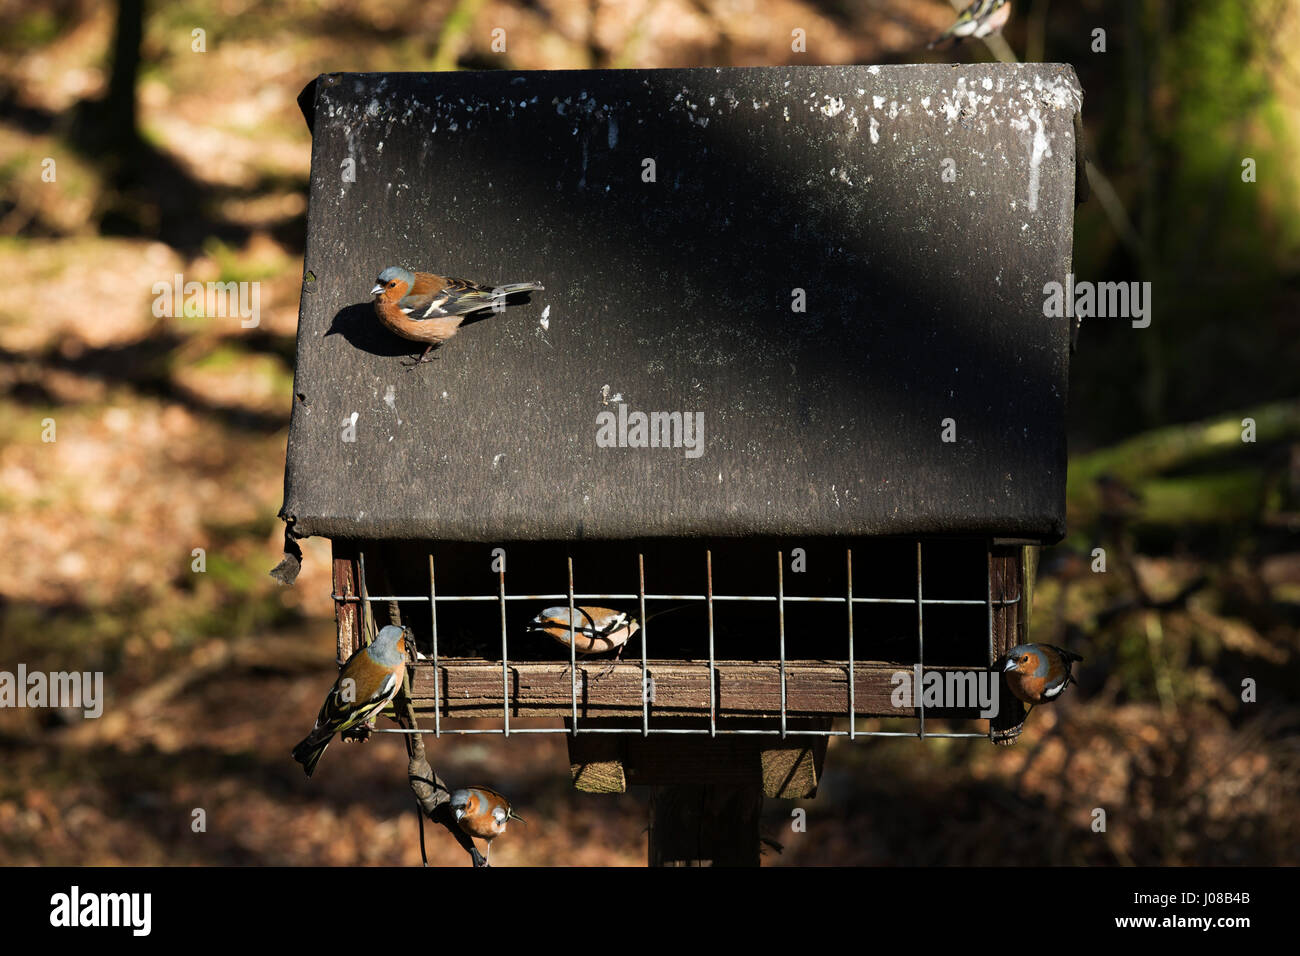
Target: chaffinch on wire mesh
[[370, 678], [482, 813], [982, 18], [429, 308], [1037, 673], [595, 630]]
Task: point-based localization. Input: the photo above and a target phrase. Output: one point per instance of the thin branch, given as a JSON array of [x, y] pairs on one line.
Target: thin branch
[[432, 796], [1114, 209]]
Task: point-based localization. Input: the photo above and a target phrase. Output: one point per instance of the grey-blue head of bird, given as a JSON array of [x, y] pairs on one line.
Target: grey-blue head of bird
[[384, 650], [389, 278], [459, 801], [1022, 655]]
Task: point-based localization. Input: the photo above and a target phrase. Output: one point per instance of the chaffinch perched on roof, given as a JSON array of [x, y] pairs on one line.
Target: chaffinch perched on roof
[[429, 308], [482, 813], [982, 18], [370, 678], [1037, 673]]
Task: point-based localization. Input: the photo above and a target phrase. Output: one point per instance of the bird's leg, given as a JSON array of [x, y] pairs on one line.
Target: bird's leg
[[610, 669], [360, 732], [487, 854], [422, 359], [565, 673]]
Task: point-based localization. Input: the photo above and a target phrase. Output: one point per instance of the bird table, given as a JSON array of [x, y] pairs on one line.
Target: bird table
[[789, 381]]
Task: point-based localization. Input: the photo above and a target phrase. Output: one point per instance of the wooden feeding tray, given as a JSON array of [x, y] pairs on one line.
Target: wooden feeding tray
[[487, 668]]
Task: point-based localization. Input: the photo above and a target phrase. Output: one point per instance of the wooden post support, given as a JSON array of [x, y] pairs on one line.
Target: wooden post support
[[596, 763], [1008, 580], [347, 614], [788, 769], [705, 825]]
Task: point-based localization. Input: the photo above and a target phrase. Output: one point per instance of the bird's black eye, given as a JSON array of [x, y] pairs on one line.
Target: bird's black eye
[[392, 283]]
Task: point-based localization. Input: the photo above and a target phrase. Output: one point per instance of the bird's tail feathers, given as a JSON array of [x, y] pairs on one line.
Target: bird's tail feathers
[[669, 610], [510, 288], [309, 751]]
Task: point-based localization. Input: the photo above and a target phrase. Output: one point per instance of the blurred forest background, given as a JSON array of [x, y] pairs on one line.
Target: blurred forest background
[[171, 436]]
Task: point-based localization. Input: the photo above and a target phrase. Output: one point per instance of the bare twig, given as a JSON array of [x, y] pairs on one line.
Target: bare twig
[[432, 796]]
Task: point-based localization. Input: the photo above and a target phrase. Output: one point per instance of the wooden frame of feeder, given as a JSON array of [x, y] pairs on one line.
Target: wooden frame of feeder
[[766, 719], [427, 465]]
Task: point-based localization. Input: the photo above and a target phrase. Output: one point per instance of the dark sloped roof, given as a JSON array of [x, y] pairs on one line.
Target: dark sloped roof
[[924, 301]]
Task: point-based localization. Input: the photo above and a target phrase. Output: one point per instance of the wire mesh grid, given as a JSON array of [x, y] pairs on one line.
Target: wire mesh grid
[[710, 599]]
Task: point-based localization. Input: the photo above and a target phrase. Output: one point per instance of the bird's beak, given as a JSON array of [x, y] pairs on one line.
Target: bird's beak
[[1010, 665], [377, 289]]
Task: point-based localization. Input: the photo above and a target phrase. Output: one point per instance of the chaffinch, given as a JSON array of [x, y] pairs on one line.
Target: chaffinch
[[1037, 673], [370, 678], [424, 307], [482, 813], [982, 18], [596, 630]]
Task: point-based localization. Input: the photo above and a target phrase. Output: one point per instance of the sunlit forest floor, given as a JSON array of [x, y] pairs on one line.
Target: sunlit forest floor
[[170, 436]]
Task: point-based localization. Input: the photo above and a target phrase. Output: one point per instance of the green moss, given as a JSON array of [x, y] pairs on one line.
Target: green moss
[[35, 28], [270, 370], [1208, 499], [235, 266]]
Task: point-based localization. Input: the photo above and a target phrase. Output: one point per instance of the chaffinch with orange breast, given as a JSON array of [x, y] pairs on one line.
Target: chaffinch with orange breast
[[370, 678], [1037, 673], [424, 307], [595, 631], [482, 813]]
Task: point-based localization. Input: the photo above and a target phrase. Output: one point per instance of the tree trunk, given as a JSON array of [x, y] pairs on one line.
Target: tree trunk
[[118, 120]]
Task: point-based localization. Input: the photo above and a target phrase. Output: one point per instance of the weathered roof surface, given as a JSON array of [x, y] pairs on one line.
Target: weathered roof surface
[[924, 301]]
